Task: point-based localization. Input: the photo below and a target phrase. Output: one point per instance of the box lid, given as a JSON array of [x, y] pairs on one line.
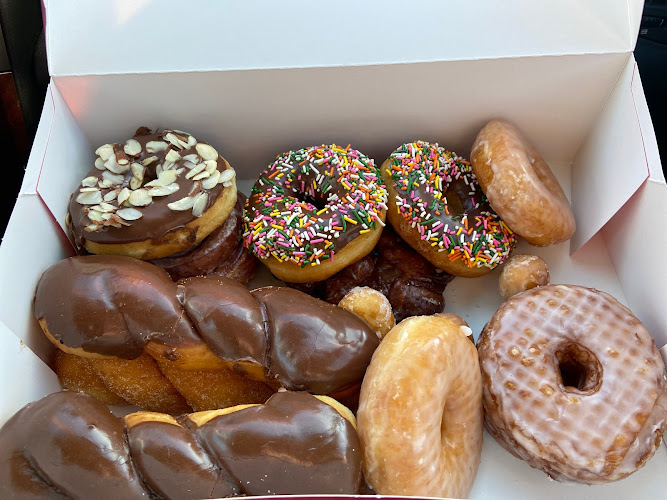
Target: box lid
[[110, 36]]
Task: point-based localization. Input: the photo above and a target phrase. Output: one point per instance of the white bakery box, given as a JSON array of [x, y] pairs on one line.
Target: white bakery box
[[257, 78]]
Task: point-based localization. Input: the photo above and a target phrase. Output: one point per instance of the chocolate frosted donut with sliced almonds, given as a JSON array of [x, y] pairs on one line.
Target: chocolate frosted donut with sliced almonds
[[69, 445], [152, 196], [201, 343]]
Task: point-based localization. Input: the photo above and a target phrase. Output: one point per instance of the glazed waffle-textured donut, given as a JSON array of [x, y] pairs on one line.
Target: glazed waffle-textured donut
[[573, 384]]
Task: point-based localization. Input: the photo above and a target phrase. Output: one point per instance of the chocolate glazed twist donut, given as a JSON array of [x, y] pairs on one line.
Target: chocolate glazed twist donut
[[68, 445], [171, 347]]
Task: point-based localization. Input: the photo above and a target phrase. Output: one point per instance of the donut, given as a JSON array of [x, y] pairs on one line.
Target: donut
[[573, 384], [69, 445], [520, 273], [220, 253], [314, 211], [413, 286], [154, 195], [201, 343], [436, 206], [520, 185], [372, 306], [420, 413]]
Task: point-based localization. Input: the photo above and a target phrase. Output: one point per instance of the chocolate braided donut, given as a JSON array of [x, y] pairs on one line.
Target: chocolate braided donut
[[201, 343], [68, 445]]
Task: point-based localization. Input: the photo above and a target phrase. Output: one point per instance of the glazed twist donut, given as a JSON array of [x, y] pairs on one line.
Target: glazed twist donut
[[68, 445], [152, 196], [573, 384], [420, 411], [122, 315]]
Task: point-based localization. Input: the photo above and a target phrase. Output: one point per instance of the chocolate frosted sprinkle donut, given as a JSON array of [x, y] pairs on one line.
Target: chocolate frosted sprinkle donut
[[313, 204], [152, 196], [573, 384], [437, 206]]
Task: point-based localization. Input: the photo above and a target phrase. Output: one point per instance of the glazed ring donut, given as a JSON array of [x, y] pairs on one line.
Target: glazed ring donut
[[436, 205], [420, 411], [313, 204], [520, 185], [573, 384], [152, 196]]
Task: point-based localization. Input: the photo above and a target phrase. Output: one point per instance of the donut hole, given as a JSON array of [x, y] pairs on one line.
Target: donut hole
[[318, 200], [579, 369]]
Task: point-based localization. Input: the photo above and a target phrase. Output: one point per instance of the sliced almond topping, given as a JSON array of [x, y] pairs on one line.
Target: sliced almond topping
[[129, 213], [132, 147], [164, 190], [139, 198], [107, 207], [200, 204], [211, 166], [227, 184], [167, 165], [123, 196], [138, 170], [89, 181], [89, 189], [206, 151], [189, 164], [92, 227], [95, 216], [172, 155], [123, 161], [155, 146], [212, 181], [195, 171], [99, 164], [105, 183], [201, 175], [165, 177], [227, 175], [106, 215], [112, 165], [182, 204], [89, 198], [105, 152], [192, 158], [191, 141], [112, 178], [175, 140], [135, 183], [147, 161], [111, 195]]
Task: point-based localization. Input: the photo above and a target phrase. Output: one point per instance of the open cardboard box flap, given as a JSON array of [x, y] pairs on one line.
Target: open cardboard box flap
[[258, 78]]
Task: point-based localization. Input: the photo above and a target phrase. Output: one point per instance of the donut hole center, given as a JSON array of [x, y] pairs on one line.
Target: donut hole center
[[317, 200], [580, 370]]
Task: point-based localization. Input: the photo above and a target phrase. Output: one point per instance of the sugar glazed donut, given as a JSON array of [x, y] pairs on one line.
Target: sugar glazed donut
[[573, 384], [520, 185], [152, 196], [313, 204], [420, 413], [436, 205], [520, 273]]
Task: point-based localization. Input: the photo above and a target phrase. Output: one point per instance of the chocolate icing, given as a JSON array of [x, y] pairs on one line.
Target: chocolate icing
[[173, 464], [113, 305], [221, 253], [293, 444], [68, 445], [157, 219], [413, 285]]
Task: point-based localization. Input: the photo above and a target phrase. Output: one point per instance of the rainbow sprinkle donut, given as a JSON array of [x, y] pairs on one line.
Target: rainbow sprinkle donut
[[437, 206], [314, 211]]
